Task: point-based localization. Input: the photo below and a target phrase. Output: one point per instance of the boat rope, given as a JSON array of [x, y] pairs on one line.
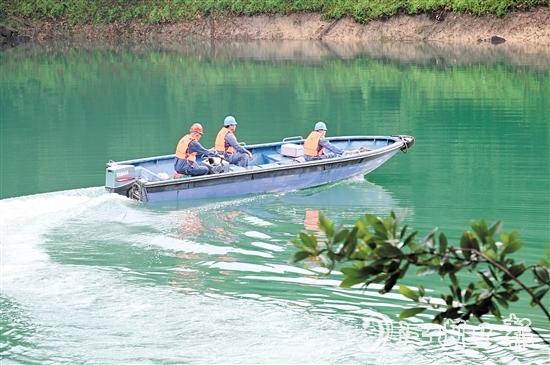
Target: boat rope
[[405, 147]]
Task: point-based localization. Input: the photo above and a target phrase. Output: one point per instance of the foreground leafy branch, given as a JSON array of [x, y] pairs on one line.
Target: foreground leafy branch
[[382, 252]]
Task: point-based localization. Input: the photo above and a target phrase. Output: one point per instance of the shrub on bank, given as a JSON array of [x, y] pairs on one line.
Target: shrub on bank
[[157, 11]]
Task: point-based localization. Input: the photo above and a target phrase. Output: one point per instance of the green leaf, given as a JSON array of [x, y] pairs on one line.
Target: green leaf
[[378, 226], [454, 280], [389, 283], [485, 293], [326, 225], [360, 224], [367, 271], [495, 311], [428, 240], [539, 296], [510, 295], [309, 240], [409, 239], [349, 282], [544, 263], [300, 255], [352, 272], [445, 268], [469, 291], [411, 312], [541, 274], [503, 302], [492, 247], [486, 280], [504, 238], [468, 241], [403, 231], [512, 247], [398, 222], [350, 243], [453, 291], [394, 265], [340, 236], [473, 225], [404, 269], [474, 244], [515, 270], [421, 290], [493, 273], [442, 243], [404, 290], [480, 229], [495, 229], [388, 251], [491, 254]]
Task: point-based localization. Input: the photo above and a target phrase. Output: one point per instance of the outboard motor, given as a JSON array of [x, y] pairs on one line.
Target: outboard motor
[[119, 178], [216, 165]]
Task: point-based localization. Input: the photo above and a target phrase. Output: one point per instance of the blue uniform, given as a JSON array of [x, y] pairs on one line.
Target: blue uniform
[[324, 143], [240, 156], [190, 167]]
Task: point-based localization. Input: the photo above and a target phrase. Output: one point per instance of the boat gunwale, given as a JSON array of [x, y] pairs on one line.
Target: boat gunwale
[[398, 144], [395, 138]]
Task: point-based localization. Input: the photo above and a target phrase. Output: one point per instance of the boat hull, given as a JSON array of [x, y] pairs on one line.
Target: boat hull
[[282, 175]]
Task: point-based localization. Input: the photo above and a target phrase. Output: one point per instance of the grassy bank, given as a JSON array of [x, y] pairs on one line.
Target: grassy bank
[[158, 11]]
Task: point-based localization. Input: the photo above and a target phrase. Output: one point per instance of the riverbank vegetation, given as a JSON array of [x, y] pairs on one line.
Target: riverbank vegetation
[[158, 11]]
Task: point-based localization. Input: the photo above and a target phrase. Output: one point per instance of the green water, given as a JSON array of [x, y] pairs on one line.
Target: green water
[[89, 277]]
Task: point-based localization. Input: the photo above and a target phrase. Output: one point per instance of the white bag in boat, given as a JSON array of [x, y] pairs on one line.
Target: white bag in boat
[[216, 165], [163, 176]]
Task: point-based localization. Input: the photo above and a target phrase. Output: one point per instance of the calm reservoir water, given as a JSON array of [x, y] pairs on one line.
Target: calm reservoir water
[[93, 278]]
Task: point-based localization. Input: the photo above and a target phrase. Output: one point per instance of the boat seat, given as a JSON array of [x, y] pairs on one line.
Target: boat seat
[[278, 158], [142, 172], [275, 157]]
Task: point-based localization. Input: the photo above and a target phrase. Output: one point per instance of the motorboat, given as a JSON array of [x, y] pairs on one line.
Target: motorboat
[[275, 167]]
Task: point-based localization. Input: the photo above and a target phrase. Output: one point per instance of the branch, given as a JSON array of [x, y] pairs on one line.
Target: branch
[[538, 334], [502, 268]]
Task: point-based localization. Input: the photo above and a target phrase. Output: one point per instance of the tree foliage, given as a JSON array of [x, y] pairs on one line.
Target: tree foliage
[[382, 251]]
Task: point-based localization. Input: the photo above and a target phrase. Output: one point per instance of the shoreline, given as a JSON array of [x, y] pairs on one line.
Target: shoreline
[[529, 27]]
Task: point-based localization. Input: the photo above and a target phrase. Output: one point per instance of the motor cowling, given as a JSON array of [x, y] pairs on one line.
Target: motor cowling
[[119, 176]]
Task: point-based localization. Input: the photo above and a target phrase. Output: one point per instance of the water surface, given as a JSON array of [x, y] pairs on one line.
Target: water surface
[[89, 277]]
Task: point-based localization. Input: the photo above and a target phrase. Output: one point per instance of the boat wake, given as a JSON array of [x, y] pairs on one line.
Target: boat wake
[[91, 269]]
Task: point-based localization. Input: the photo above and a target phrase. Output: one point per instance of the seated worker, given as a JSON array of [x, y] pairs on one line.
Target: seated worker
[[315, 145], [187, 150], [226, 144]]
